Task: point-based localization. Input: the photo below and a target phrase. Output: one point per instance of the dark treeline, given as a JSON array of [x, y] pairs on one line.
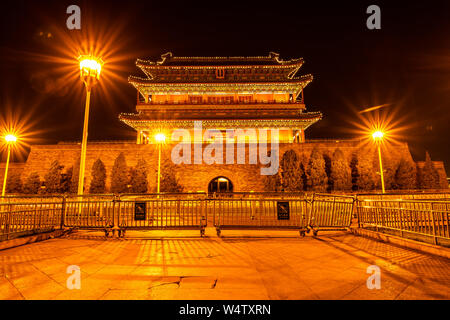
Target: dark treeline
[[318, 172], [124, 179], [322, 173]]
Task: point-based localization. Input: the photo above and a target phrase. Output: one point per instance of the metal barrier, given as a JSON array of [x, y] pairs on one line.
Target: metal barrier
[[24, 218], [31, 199], [405, 196], [162, 196], [162, 214], [330, 212], [89, 214], [418, 219], [258, 195], [259, 214]]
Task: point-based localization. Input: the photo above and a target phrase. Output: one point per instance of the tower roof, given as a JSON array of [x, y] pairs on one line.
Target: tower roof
[[168, 59], [193, 74]]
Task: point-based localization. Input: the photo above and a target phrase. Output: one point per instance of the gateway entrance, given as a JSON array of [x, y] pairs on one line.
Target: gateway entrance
[[219, 185]]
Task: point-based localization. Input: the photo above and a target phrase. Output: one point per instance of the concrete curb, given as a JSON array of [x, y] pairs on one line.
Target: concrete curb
[[407, 243], [7, 244]]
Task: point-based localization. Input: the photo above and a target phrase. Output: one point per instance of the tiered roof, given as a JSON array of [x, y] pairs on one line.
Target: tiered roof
[[221, 75], [199, 74]]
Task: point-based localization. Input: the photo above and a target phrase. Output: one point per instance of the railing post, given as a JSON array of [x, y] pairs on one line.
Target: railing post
[[311, 209], [63, 212], [434, 227], [356, 201], [376, 218], [35, 217], [116, 215], [400, 209], [8, 223], [204, 217], [40, 219]]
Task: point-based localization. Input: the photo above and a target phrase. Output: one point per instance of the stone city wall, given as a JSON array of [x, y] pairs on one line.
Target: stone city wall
[[193, 177]]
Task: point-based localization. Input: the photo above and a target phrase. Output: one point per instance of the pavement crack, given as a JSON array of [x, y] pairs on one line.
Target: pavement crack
[[168, 283], [9, 280]]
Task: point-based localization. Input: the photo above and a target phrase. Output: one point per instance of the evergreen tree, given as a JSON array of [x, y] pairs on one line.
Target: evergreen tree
[[13, 182], [66, 180], [53, 178], [406, 176], [429, 177], [119, 175], [354, 172], [98, 177], [327, 160], [291, 173], [32, 184], [169, 182], [340, 175], [273, 183], [366, 171], [303, 169], [138, 177], [317, 177]]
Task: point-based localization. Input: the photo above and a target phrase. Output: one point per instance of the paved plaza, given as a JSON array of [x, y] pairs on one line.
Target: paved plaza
[[242, 265]]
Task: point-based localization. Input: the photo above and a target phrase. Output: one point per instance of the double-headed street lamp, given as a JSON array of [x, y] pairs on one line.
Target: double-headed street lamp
[[9, 139], [378, 137], [160, 138], [90, 68]]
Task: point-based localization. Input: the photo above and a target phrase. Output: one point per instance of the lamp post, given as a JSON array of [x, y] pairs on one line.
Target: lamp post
[[10, 139], [90, 68], [377, 137], [160, 139]]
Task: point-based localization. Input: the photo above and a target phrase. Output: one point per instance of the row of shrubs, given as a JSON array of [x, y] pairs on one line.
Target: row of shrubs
[[124, 179], [318, 172], [322, 173]]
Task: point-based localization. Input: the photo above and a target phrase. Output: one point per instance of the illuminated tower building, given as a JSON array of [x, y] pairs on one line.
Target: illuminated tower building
[[223, 93]]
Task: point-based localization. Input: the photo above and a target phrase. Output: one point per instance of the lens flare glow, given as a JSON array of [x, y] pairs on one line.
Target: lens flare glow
[[10, 138], [90, 66], [377, 135], [160, 137]]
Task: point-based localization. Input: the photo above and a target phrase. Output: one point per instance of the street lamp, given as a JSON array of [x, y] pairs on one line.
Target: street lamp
[[90, 68], [10, 139], [160, 139], [378, 137]]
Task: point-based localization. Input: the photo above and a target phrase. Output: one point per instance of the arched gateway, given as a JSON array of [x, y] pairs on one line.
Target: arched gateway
[[220, 184]]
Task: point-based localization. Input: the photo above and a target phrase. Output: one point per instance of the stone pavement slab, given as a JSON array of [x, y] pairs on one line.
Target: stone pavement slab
[[247, 265]]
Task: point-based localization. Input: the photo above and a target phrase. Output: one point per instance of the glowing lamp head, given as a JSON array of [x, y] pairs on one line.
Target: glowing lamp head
[[10, 138], [377, 135], [160, 137], [90, 66]]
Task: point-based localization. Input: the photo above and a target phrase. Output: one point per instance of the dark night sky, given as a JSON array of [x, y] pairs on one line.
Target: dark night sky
[[406, 63]]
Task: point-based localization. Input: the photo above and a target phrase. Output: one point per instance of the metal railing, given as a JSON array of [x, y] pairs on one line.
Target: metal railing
[[24, 218], [163, 195], [416, 195], [31, 198], [330, 212], [259, 195], [89, 213], [424, 220], [162, 214], [259, 214], [420, 219]]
